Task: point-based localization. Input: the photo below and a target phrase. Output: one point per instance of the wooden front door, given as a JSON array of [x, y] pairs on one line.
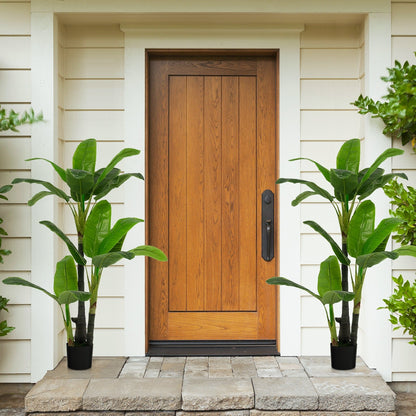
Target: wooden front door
[[211, 153]]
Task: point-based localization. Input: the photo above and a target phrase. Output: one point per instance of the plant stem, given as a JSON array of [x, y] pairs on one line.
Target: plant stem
[[357, 307], [344, 325], [80, 322], [332, 327], [68, 326], [95, 280]]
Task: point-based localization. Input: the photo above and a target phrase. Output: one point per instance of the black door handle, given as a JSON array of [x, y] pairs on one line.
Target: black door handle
[[267, 225]]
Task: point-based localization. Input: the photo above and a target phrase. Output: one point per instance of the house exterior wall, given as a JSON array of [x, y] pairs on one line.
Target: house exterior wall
[[95, 68], [15, 92], [403, 42]]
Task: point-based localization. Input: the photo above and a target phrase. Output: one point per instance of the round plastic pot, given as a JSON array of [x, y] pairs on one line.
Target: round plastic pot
[[79, 357], [343, 357]]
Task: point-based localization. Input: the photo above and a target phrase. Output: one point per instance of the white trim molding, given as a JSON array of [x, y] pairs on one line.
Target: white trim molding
[[287, 41]]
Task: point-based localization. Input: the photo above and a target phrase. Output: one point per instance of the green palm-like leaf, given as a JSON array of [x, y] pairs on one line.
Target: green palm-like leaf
[[345, 184], [377, 237], [348, 157], [335, 247], [369, 260], [120, 229], [302, 196], [384, 156], [377, 184], [329, 278], [406, 251], [321, 168], [5, 188], [282, 281], [97, 227], [335, 296], [65, 276], [108, 259], [85, 156], [71, 247], [61, 172], [56, 191], [81, 183], [18, 281], [115, 183], [70, 296], [361, 227], [35, 198], [320, 191], [117, 158], [149, 251]]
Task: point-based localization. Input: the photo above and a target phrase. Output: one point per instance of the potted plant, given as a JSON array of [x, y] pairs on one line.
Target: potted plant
[[99, 244], [360, 239]]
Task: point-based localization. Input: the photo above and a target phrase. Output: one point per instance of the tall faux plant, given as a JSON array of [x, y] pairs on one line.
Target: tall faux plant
[[360, 238], [86, 187]]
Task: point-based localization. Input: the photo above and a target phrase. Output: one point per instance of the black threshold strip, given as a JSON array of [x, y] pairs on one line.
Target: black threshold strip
[[211, 348]]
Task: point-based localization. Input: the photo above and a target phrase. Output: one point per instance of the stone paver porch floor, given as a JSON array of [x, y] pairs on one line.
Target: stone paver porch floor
[[217, 386]]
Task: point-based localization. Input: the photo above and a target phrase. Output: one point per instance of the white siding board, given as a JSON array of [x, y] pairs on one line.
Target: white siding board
[[330, 63], [323, 214], [15, 19], [403, 19], [93, 36], [20, 257], [13, 154], [15, 86], [94, 63], [404, 356], [110, 313], [94, 94], [16, 219], [403, 49], [15, 378], [331, 36], [18, 318], [313, 314], [102, 125], [330, 125], [315, 341], [15, 357], [404, 161], [314, 248], [329, 94], [322, 152], [20, 193], [18, 52], [108, 342], [112, 282]]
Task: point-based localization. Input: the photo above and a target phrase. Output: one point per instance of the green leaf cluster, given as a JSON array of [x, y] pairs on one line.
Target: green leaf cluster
[[397, 110], [12, 120], [4, 328], [360, 238], [402, 307], [3, 252]]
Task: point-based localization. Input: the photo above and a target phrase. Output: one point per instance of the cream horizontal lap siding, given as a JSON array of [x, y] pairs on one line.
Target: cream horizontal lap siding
[[331, 73], [15, 92], [92, 99], [403, 46]]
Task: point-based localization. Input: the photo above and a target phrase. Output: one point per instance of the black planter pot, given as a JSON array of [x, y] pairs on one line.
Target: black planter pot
[[79, 357], [343, 357]]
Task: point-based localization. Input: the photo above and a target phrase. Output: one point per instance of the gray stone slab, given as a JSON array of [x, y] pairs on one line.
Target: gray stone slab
[[217, 394], [265, 362], [50, 395], [152, 373], [269, 372], [285, 393], [294, 373], [323, 413], [353, 393], [133, 394], [144, 360], [133, 369], [101, 368], [169, 413], [219, 362], [196, 373], [79, 414], [196, 364], [255, 412], [220, 373], [321, 367], [222, 413], [289, 363]]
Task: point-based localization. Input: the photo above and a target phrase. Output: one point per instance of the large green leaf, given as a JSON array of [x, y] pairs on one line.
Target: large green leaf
[[117, 158], [361, 227], [149, 251], [406, 251], [345, 184], [18, 281], [320, 191], [335, 247], [321, 168], [370, 260], [348, 157], [363, 187], [105, 183], [35, 198], [65, 276], [5, 188], [385, 155], [329, 277], [383, 230], [56, 191], [71, 296], [286, 282], [81, 183], [115, 183], [334, 296], [302, 196], [120, 229], [61, 172], [378, 183], [97, 227], [108, 259], [85, 155], [71, 247]]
